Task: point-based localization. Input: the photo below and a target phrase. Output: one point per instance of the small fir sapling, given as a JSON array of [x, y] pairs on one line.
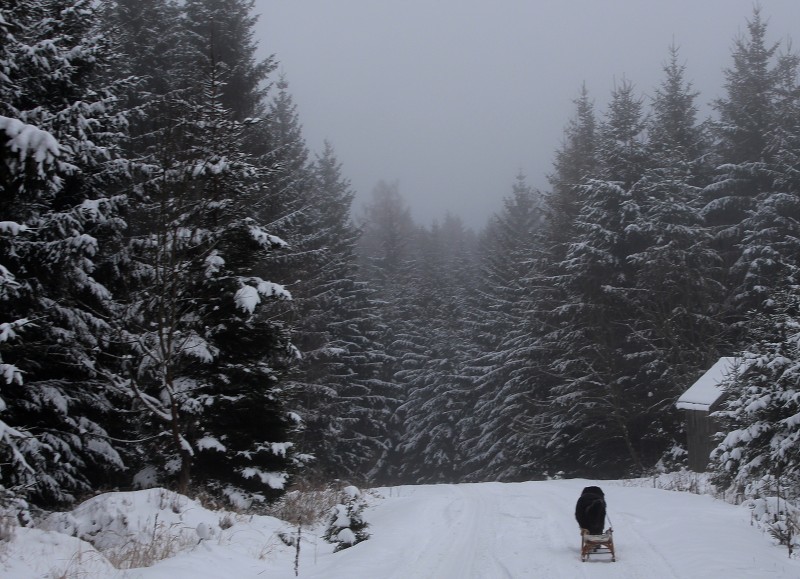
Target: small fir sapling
[[347, 526]]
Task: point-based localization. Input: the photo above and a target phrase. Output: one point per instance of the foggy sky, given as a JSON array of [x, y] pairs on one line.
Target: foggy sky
[[453, 98]]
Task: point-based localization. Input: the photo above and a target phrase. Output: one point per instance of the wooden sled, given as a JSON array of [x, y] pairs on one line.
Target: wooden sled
[[597, 544]]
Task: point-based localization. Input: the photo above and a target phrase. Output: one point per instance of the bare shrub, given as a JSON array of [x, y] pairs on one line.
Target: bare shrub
[[77, 567]]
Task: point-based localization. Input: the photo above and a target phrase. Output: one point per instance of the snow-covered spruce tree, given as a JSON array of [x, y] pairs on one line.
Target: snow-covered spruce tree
[[385, 254], [746, 111], [147, 34], [204, 352], [576, 161], [622, 153], [225, 30], [591, 339], [499, 433], [297, 209], [761, 417], [677, 290], [436, 346], [59, 130], [346, 526], [289, 202], [337, 385], [750, 215], [770, 234]]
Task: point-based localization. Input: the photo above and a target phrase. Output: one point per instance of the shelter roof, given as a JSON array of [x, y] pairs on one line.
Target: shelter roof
[[708, 389]]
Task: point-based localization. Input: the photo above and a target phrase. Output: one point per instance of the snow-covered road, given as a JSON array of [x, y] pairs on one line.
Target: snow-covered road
[[468, 531], [527, 530]]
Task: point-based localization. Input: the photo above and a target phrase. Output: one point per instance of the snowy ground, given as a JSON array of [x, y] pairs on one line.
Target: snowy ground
[[469, 531]]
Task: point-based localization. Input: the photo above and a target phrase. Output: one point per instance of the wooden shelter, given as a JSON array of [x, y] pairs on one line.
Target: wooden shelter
[[698, 402]]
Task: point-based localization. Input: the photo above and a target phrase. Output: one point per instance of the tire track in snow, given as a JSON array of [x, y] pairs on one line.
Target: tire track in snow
[[527, 531], [469, 550]]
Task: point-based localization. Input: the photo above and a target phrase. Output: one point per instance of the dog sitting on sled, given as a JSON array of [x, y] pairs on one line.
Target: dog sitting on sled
[[590, 512]]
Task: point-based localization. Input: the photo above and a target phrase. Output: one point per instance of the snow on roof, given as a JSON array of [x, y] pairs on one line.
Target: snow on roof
[[707, 390]]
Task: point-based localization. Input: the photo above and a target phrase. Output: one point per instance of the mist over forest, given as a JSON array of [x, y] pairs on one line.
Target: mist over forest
[[190, 299]]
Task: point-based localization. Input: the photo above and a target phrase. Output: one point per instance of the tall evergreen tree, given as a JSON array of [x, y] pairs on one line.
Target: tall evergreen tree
[[58, 159], [337, 385], [148, 36], [435, 343], [386, 254], [621, 146], [575, 162], [224, 32], [748, 216], [675, 301], [204, 351], [589, 335], [747, 108], [759, 419], [500, 429], [674, 135]]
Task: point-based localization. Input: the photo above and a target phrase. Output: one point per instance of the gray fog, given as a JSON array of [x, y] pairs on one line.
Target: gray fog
[[453, 98]]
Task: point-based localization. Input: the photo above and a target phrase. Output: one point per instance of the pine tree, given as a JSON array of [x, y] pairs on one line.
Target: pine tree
[[204, 348], [61, 130], [223, 31], [761, 430], [770, 233], [750, 219], [500, 432], [288, 202], [677, 292], [621, 146], [385, 254], [148, 34], [575, 161], [747, 109], [338, 388], [674, 136], [589, 336], [434, 345]]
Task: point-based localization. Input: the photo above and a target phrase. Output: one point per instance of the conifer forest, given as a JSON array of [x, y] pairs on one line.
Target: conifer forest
[[189, 298]]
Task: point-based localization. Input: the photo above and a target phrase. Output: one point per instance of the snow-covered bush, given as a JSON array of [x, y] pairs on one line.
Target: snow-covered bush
[[773, 513], [347, 526]]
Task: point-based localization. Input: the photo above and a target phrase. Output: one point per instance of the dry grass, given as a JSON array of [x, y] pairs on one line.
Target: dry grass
[[165, 541], [76, 567], [306, 505]]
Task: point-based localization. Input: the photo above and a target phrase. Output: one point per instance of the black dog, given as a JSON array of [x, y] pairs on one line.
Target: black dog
[[590, 512]]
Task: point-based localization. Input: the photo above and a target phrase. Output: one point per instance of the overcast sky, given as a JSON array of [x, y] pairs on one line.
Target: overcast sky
[[453, 98]]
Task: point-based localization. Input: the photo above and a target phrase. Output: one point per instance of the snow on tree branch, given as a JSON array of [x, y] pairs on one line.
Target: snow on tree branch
[[29, 141], [249, 296]]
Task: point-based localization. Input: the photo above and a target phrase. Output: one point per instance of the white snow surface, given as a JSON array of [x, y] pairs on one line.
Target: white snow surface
[[465, 531]]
